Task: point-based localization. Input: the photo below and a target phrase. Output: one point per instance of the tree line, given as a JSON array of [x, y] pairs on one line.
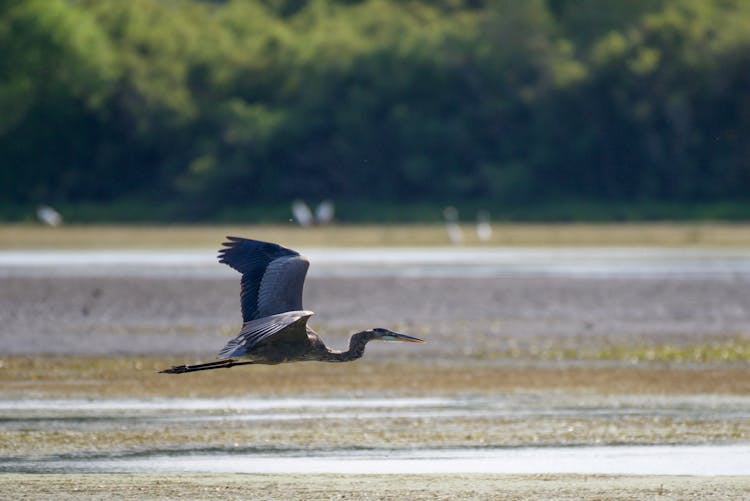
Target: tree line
[[201, 106]]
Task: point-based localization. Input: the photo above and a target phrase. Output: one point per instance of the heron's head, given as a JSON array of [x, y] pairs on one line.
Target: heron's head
[[386, 335]]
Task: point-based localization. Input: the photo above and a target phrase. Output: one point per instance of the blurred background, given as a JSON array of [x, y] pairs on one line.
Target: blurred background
[[197, 110]]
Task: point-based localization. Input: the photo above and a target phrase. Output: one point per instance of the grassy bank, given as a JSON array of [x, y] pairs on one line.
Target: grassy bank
[[26, 236], [139, 211]]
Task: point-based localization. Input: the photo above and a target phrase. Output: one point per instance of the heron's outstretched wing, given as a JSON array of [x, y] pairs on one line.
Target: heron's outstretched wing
[[272, 276], [290, 325]]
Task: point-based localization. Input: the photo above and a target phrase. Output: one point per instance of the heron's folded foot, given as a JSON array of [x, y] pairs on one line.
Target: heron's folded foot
[[176, 369], [220, 364]]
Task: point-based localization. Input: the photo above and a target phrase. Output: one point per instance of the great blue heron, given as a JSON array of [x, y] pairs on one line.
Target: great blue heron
[[275, 325]]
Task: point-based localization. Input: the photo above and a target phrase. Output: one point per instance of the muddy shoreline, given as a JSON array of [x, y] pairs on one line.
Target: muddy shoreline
[[466, 318]]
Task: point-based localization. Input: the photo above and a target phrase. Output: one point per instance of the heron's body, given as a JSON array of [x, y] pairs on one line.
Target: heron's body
[[274, 329]]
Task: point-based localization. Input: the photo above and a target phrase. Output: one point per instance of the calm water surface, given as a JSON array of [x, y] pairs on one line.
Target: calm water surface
[[623, 460]]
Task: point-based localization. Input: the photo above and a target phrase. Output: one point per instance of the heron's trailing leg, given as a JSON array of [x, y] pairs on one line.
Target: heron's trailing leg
[[221, 364]]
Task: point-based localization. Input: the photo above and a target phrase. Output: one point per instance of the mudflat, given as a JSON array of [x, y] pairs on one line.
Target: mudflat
[[461, 318], [605, 360], [370, 487]]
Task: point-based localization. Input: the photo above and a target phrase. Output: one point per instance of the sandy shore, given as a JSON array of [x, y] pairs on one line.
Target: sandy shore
[[369, 487]]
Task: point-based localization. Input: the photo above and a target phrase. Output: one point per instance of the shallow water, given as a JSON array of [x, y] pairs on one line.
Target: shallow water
[[416, 262], [255, 408], [71, 415], [626, 460]]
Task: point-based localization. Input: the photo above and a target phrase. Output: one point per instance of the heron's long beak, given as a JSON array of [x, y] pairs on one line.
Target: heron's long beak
[[395, 336]]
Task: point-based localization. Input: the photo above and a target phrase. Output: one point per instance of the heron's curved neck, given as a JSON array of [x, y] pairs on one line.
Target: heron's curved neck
[[356, 349]]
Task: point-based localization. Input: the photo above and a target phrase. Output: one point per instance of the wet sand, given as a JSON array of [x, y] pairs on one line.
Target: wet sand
[[471, 318], [123, 376], [371, 487], [593, 340], [507, 406], [619, 396]]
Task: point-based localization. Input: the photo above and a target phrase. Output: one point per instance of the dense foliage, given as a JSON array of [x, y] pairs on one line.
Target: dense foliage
[[204, 105]]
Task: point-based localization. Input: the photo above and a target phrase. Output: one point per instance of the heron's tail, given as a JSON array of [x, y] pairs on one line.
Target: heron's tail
[[219, 364]]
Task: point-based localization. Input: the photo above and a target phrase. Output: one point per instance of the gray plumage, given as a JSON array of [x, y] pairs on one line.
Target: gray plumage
[[289, 328], [272, 276], [274, 326]]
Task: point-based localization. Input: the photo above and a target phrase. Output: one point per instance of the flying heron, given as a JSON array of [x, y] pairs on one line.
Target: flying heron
[[274, 327]]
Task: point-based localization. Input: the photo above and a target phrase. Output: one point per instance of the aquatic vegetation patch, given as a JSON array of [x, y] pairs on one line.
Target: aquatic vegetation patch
[[732, 350]]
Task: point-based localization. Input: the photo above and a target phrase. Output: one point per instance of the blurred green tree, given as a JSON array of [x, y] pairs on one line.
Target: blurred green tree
[[203, 105]]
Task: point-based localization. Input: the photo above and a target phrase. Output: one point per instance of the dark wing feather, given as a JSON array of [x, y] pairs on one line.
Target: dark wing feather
[[272, 276], [266, 329]]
